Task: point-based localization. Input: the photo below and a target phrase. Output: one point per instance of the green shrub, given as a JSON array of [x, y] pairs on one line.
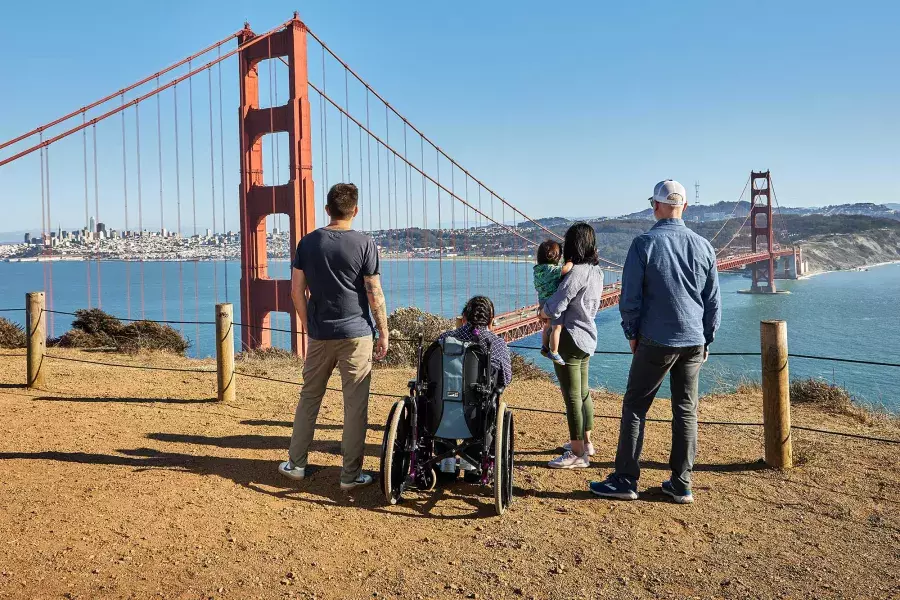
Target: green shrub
[[12, 335]]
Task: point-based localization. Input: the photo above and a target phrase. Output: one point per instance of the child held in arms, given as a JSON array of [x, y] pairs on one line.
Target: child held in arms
[[547, 275]]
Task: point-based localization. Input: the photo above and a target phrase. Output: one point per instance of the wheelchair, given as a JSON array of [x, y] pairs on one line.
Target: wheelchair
[[453, 409]]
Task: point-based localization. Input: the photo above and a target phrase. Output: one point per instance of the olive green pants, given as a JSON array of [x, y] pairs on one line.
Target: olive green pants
[[573, 381]]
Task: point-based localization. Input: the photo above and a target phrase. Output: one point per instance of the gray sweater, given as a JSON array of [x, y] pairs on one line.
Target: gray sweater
[[575, 304]]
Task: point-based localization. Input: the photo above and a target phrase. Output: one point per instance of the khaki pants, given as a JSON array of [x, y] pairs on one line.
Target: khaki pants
[[353, 358]]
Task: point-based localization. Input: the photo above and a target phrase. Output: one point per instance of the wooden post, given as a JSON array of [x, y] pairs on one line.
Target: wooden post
[[36, 327], [224, 352], [776, 394]]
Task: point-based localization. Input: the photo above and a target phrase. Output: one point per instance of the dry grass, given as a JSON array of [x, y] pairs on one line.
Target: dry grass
[[12, 335], [93, 328]]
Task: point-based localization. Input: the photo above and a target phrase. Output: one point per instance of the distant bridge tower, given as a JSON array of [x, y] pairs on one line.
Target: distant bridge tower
[[696, 193], [761, 236], [260, 294]]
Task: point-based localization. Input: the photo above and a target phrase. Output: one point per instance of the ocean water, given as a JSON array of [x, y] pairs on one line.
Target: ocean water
[[845, 314]]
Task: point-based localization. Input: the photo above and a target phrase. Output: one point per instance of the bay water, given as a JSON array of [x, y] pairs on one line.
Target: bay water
[[848, 314]]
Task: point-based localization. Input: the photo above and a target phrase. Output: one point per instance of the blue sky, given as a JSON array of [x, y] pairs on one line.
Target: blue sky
[[571, 109]]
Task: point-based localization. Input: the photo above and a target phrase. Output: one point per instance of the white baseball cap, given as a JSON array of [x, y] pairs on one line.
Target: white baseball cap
[[669, 192]]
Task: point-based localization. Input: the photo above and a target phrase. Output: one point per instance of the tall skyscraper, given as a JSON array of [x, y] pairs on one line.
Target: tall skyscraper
[[92, 228]]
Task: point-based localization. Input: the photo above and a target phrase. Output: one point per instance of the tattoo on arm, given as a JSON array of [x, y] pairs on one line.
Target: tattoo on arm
[[377, 303]]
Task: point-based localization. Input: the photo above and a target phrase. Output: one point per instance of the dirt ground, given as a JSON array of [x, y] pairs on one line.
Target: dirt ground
[[123, 483]]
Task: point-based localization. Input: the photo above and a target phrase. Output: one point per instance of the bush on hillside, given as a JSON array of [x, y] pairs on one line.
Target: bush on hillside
[[819, 391], [405, 325], [12, 335], [149, 335], [93, 328]]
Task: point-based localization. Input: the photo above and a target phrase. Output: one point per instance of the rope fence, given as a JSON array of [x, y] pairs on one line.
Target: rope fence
[[299, 384], [775, 384], [513, 346]]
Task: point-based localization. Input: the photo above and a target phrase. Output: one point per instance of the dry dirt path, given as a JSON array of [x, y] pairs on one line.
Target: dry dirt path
[[121, 483]]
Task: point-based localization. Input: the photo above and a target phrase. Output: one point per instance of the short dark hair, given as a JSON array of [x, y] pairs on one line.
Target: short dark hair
[[549, 252], [342, 200], [580, 246], [479, 311]]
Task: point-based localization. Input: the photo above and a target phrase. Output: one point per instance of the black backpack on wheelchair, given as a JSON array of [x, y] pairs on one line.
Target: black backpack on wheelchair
[[453, 409]]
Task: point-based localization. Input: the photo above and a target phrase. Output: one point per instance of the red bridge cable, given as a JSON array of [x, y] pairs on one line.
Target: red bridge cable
[[424, 216], [194, 204], [50, 263], [422, 173], [437, 164], [326, 182], [733, 211], [137, 121], [125, 197], [387, 179], [140, 99], [453, 233], [725, 247], [87, 218], [212, 181], [222, 170], [347, 127], [414, 128], [96, 206], [105, 99], [407, 184], [159, 162], [178, 207]]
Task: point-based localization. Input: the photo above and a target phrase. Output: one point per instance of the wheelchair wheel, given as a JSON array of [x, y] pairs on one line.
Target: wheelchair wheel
[[503, 459], [394, 456]]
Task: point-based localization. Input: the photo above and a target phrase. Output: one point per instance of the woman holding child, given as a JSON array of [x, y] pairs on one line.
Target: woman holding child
[[570, 337]]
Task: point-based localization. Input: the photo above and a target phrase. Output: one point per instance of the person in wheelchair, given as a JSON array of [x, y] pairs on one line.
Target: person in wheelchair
[[454, 411]]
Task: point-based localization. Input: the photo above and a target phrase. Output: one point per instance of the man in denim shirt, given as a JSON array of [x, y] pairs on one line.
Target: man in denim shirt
[[671, 308]]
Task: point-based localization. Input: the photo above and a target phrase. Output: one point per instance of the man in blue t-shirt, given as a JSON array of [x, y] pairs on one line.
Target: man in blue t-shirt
[[339, 268]]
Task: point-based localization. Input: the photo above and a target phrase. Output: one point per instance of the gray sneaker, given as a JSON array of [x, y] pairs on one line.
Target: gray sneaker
[[569, 461], [292, 471], [589, 448], [362, 480]]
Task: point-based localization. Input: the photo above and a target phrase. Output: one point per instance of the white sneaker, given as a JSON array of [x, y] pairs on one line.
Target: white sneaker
[[569, 461], [362, 480], [589, 448], [291, 471]]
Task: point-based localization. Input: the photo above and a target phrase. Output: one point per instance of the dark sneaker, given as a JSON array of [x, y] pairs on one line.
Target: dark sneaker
[[291, 471], [669, 490], [615, 486], [362, 480], [555, 357], [545, 351]]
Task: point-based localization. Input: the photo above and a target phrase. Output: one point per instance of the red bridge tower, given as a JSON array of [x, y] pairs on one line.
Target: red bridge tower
[[260, 294], [761, 231]]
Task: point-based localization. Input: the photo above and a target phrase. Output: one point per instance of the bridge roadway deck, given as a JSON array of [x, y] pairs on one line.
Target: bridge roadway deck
[[521, 323]]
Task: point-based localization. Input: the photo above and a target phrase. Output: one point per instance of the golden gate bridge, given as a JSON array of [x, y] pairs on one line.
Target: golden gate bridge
[[321, 123]]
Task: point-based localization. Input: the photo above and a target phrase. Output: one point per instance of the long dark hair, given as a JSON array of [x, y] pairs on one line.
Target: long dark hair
[[479, 312], [580, 246]]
